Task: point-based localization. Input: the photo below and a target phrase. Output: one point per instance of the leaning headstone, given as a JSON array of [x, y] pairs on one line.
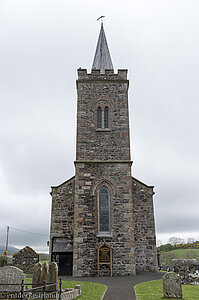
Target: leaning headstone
[[52, 276], [44, 273], [36, 276], [10, 274], [172, 287]]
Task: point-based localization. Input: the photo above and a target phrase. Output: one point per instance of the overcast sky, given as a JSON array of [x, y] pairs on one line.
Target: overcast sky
[[42, 44]]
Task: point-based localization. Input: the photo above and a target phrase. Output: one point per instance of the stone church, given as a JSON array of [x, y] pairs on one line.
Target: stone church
[[102, 203]]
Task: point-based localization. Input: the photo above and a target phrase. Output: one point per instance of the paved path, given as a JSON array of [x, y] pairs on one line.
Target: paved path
[[120, 288]]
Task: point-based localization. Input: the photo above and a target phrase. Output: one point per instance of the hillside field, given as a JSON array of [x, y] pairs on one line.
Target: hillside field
[[166, 257]]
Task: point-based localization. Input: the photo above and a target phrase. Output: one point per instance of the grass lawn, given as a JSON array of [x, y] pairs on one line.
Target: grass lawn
[[43, 261], [166, 257], [90, 290], [152, 290], [180, 252]]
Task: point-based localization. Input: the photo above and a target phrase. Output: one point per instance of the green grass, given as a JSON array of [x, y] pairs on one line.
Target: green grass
[[44, 260], [90, 290], [166, 257], [152, 290], [182, 252]]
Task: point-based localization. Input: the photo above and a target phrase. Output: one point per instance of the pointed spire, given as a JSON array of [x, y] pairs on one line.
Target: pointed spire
[[102, 59]]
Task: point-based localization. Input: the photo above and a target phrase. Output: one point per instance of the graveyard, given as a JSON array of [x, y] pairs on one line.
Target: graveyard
[[151, 290], [43, 283]]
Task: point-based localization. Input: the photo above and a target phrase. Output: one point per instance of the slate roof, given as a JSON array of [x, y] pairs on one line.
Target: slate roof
[[102, 59]]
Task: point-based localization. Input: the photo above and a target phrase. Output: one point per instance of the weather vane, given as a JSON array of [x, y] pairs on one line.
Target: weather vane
[[101, 18]]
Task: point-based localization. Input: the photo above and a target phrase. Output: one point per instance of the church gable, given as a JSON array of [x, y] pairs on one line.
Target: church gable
[[62, 215], [144, 228]]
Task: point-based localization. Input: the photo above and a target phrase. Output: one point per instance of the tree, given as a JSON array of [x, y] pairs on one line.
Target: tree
[[190, 240], [176, 241]]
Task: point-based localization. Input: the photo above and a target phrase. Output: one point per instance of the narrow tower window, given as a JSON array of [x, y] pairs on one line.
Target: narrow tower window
[[106, 117], [99, 117], [104, 210]]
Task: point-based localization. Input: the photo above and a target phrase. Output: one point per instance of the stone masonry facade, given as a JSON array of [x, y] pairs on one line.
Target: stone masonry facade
[[25, 259], [144, 230], [103, 159], [143, 215], [86, 238], [62, 211]]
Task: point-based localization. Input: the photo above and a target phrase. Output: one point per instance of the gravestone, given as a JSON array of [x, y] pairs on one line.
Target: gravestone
[[10, 274], [44, 272], [52, 275], [47, 272], [36, 276], [172, 287]]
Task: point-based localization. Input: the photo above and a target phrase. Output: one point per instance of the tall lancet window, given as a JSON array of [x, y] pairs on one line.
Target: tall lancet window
[[99, 117], [103, 210], [106, 117]]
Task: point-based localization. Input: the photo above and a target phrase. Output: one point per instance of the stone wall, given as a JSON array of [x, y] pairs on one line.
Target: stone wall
[[145, 239], [25, 259], [62, 214], [71, 293], [187, 269]]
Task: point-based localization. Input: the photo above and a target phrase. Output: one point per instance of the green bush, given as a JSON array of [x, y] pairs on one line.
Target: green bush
[[169, 247], [3, 260]]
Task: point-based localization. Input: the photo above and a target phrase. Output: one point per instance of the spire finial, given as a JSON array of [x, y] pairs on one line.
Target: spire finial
[[101, 19]]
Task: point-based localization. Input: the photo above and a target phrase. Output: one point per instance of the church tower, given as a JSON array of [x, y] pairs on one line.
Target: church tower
[[102, 204], [103, 184]]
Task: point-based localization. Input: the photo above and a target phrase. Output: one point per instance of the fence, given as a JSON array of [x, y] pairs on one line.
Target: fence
[[38, 292]]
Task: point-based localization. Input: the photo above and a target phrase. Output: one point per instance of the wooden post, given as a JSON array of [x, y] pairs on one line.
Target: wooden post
[[98, 261], [111, 261], [7, 241]]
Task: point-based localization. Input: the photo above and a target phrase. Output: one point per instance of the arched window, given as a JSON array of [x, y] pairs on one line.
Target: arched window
[[103, 210], [106, 117], [99, 117]]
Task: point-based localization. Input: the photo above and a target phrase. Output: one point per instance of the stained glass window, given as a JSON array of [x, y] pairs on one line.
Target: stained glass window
[[99, 117], [106, 117], [104, 209]]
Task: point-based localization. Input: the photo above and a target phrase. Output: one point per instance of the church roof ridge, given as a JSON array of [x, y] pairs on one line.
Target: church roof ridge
[[57, 186], [102, 59]]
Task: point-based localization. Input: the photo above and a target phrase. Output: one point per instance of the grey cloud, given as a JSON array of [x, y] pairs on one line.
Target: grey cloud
[[42, 45]]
